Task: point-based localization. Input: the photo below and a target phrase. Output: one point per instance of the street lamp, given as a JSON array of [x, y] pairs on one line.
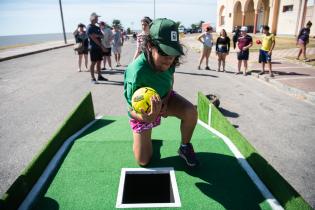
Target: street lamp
[[154, 9], [63, 24]]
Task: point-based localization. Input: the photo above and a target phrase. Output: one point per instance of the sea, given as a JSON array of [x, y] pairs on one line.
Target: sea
[[32, 39]]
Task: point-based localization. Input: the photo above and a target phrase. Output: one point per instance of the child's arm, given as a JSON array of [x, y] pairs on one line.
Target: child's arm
[[199, 38], [272, 46]]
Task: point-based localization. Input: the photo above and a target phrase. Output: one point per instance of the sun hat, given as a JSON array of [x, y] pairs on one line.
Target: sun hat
[[164, 33]]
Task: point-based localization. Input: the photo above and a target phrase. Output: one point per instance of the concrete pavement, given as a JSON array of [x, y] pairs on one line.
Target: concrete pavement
[[41, 89]]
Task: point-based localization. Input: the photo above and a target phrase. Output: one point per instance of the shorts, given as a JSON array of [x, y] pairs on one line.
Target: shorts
[[222, 49], [301, 42], [85, 51], [96, 55], [108, 52], [117, 50], [206, 47], [140, 127], [243, 55], [264, 56]]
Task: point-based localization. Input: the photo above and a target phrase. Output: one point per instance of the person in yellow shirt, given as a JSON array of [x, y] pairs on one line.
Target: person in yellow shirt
[[265, 52]]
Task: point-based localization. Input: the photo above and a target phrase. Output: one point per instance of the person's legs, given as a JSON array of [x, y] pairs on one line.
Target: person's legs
[[208, 52], [92, 69], [142, 147], [98, 67], [245, 67], [109, 60], [86, 60], [239, 65], [104, 61], [223, 61], [304, 51], [300, 52], [118, 59], [202, 57], [80, 61], [219, 61], [179, 107]]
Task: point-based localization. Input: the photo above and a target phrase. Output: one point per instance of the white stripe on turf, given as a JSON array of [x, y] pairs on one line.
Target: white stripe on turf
[[28, 201], [272, 201]]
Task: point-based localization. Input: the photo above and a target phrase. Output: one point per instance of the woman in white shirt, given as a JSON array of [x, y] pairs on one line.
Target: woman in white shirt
[[207, 41]]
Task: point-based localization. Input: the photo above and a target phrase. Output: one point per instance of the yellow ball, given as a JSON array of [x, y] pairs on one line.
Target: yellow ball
[[141, 99]]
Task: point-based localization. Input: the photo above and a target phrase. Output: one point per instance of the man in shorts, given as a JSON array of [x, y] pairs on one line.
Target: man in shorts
[[96, 47], [118, 41], [244, 42], [268, 43], [106, 41]]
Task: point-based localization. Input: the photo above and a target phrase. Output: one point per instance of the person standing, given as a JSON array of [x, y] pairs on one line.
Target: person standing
[[222, 48], [303, 40], [206, 40], [244, 42], [96, 48], [118, 42], [106, 42], [265, 52], [145, 24], [81, 36], [236, 34]]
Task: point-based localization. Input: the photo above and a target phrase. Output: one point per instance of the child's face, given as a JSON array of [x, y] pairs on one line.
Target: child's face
[[162, 63], [265, 31]]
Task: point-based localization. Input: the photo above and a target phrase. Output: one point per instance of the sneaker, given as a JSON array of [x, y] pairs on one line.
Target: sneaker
[[188, 154], [100, 78], [93, 80], [103, 68], [207, 68], [272, 75]]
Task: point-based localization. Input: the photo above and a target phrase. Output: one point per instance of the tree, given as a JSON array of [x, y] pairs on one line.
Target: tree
[[128, 31], [194, 26]]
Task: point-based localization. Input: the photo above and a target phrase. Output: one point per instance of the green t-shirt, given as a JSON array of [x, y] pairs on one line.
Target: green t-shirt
[[140, 74]]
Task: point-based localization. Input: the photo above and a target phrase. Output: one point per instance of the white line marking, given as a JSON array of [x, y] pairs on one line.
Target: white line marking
[[28, 201], [166, 170], [272, 201]]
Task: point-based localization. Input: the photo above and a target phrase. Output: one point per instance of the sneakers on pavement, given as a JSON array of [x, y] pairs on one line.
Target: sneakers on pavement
[[207, 68], [188, 154], [93, 80]]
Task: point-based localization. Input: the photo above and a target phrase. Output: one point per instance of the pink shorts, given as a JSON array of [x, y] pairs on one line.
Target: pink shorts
[[139, 127], [301, 42]]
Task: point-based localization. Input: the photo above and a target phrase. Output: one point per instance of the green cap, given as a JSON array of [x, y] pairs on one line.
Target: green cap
[[164, 33]]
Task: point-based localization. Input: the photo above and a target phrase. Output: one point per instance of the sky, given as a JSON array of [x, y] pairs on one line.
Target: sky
[[19, 17]]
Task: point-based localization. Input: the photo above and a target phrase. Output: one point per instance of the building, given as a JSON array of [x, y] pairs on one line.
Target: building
[[284, 17]]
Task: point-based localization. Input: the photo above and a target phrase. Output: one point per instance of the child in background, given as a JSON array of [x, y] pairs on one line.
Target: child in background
[[222, 48], [268, 43], [207, 41], [244, 42]]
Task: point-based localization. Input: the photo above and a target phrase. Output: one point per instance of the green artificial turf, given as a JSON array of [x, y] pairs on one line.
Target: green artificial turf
[[89, 176], [82, 115], [288, 197]]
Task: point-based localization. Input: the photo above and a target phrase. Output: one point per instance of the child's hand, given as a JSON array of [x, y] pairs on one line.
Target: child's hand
[[156, 105]]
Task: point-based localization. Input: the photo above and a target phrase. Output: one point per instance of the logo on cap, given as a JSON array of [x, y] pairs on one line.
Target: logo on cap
[[174, 36]]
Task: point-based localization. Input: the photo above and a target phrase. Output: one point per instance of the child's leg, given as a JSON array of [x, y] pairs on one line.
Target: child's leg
[[207, 56], [202, 56], [270, 67], [186, 112], [223, 60], [219, 61], [142, 147], [263, 66], [245, 65], [239, 66]]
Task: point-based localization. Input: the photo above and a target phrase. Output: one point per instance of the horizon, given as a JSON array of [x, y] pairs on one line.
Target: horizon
[[129, 12]]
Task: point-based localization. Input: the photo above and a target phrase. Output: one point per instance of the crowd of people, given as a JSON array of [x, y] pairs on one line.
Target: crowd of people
[[242, 42]]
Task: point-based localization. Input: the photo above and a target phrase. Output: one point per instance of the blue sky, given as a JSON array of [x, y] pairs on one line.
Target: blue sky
[[43, 16]]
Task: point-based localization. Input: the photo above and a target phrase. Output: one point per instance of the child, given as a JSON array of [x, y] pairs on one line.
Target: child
[[207, 42], [155, 68], [303, 40], [268, 43], [244, 42], [222, 48]]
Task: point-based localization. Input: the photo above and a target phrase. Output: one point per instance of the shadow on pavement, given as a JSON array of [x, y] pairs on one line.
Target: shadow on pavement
[[195, 74], [228, 113]]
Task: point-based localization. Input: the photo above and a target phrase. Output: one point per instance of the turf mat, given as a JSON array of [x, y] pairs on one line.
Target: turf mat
[[89, 175]]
